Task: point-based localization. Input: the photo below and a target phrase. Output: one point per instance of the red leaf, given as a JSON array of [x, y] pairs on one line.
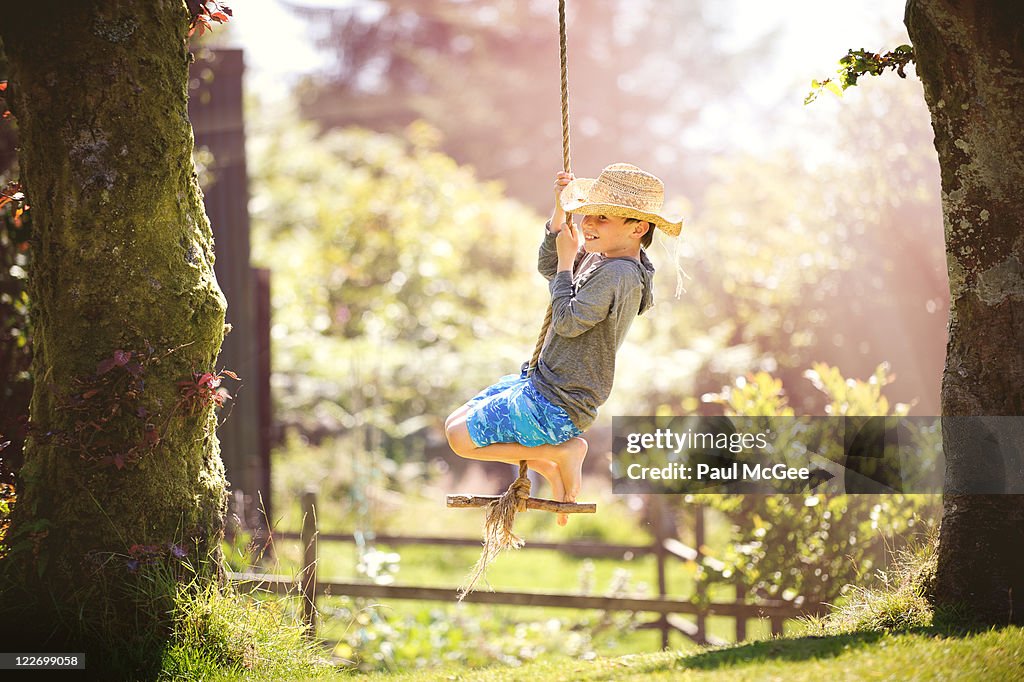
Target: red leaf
[[205, 379], [219, 16], [229, 373], [119, 461], [3, 85]]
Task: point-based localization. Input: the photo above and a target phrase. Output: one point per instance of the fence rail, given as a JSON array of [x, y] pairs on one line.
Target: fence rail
[[309, 587]]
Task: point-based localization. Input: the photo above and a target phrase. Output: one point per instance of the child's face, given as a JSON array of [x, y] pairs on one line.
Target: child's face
[[610, 235]]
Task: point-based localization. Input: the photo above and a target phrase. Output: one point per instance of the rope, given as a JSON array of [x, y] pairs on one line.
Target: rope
[[498, 535], [501, 513], [566, 162]]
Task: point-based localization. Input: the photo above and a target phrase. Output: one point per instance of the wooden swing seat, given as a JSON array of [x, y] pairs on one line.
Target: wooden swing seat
[[468, 501]]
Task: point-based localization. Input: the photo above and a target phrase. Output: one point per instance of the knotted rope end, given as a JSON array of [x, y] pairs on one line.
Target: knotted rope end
[[498, 535]]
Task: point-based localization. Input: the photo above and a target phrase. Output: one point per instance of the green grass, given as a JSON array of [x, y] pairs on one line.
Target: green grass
[[919, 655], [220, 632], [899, 602]]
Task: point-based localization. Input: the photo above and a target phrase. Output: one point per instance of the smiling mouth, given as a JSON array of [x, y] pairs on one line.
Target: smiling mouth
[[589, 237]]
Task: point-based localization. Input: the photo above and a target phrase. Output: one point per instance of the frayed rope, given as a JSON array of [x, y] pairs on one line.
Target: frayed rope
[[498, 535]]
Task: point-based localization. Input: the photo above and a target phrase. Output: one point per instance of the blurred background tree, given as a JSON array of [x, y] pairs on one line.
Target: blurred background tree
[[486, 75], [401, 281]]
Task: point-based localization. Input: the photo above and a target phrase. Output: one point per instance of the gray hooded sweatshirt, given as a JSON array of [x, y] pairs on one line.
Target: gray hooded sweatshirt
[[592, 308]]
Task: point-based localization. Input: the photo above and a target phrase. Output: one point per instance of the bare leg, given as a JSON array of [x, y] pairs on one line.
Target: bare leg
[[567, 456]]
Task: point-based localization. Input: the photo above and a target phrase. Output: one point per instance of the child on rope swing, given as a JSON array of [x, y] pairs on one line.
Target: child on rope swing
[[596, 291]]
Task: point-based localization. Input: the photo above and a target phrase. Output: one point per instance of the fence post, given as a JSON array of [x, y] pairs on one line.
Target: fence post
[[701, 586], [307, 584], [657, 517], [741, 621], [777, 627]]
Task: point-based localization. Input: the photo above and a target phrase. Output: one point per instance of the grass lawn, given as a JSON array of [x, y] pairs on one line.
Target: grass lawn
[[918, 655]]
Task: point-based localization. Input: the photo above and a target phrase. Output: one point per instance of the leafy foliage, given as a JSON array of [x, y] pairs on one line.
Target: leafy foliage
[[857, 63], [402, 284], [202, 12], [853, 398], [204, 390], [812, 546]]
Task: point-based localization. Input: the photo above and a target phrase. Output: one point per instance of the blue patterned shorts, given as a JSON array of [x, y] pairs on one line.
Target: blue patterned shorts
[[512, 411]]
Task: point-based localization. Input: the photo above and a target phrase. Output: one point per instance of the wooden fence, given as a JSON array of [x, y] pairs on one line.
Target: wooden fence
[[308, 585]]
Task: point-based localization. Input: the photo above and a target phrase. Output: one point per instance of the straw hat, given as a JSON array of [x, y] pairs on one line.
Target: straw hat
[[621, 190]]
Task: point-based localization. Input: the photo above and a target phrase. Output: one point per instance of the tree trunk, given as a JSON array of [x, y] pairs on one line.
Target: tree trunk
[[970, 57], [122, 478]]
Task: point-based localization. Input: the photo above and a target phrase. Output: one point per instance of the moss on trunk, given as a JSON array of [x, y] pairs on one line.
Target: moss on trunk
[[123, 262], [970, 58]]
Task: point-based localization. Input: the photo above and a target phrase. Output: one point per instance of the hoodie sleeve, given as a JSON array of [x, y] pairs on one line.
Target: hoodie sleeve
[[573, 313]]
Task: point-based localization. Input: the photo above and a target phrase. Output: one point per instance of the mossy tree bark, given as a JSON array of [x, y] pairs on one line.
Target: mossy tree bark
[[970, 57], [122, 470]]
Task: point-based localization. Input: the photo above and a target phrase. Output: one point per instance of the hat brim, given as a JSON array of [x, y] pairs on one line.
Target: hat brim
[[573, 199]]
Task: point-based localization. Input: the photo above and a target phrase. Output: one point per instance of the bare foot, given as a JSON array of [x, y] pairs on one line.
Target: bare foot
[[572, 452], [549, 470]]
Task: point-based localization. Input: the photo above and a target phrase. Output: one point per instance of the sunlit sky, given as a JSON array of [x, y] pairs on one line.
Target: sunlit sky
[[811, 31], [809, 37]]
